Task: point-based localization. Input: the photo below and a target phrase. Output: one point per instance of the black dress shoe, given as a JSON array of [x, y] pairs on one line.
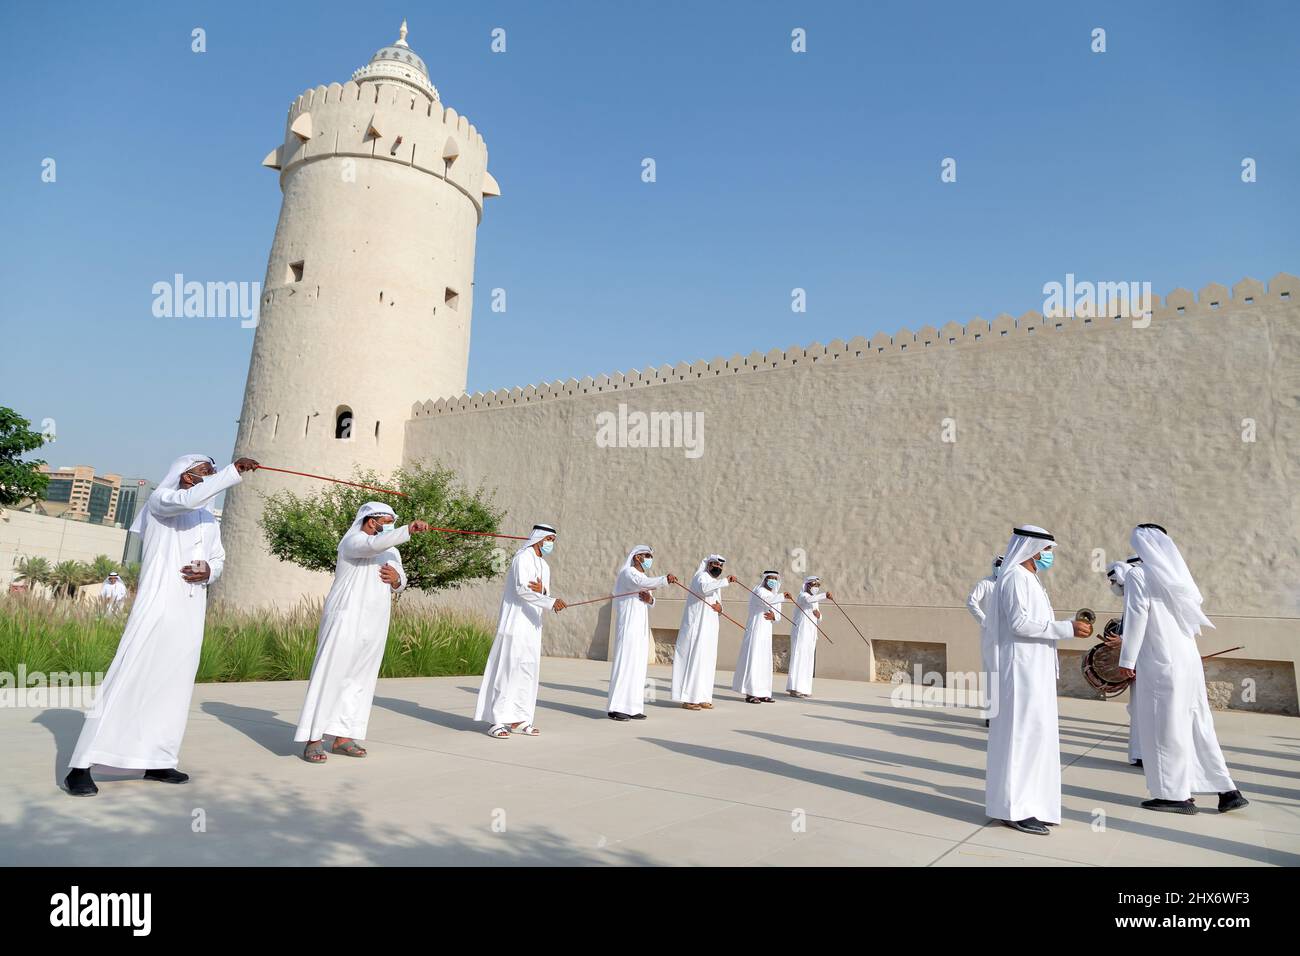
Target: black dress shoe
[[1028, 825], [767, 700], [1170, 806], [753, 700], [1232, 800], [615, 715], [79, 783], [640, 716], [167, 776]]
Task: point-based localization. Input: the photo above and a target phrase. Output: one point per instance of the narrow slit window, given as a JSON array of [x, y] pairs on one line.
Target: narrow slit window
[[452, 299], [295, 271]]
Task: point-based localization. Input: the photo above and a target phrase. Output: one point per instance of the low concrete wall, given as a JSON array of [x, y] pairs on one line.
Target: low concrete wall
[[26, 535]]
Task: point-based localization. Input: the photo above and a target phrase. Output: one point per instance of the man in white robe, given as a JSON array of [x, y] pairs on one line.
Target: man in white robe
[[1023, 775], [354, 633], [977, 603], [753, 676], [1115, 575], [507, 698], [631, 653], [113, 594], [803, 637], [139, 715], [695, 656], [1162, 617]]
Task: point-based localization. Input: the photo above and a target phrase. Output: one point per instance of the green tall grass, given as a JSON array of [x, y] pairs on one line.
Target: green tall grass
[[61, 635]]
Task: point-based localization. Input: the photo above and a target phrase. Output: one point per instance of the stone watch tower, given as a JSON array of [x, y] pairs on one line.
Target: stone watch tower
[[367, 299]]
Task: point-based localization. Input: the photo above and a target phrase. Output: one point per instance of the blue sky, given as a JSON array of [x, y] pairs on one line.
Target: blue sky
[[775, 170]]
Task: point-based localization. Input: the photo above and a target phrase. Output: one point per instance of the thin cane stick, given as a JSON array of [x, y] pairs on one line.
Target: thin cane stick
[[793, 601], [706, 601], [1239, 647], [850, 620], [608, 597], [339, 481]]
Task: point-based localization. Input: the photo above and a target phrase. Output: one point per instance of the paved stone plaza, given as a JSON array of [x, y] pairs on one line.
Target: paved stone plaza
[[876, 784]]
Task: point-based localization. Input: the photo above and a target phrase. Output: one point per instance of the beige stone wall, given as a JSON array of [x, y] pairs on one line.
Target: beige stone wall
[[832, 458]]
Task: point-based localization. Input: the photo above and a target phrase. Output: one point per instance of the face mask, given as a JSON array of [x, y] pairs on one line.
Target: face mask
[[1044, 561], [996, 569], [771, 584], [814, 588], [715, 572], [647, 563], [1117, 589], [548, 547]]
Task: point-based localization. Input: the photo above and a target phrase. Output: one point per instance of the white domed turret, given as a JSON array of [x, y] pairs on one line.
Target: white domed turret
[[367, 300], [398, 62]]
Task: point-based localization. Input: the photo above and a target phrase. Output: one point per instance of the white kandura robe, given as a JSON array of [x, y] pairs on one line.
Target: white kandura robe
[[695, 657], [352, 636], [113, 595], [977, 604], [1023, 778], [140, 712], [508, 693], [803, 643], [1179, 747], [631, 642], [753, 676]]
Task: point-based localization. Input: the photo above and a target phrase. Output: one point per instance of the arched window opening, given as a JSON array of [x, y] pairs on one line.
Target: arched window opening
[[343, 423]]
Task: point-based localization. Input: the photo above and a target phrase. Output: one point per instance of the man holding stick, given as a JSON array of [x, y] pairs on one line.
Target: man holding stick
[[139, 716], [803, 638], [632, 633], [354, 632], [753, 676], [695, 656], [508, 696]]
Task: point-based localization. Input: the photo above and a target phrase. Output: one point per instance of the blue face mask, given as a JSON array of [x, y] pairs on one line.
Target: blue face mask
[[1044, 561], [647, 563], [548, 547], [771, 584]]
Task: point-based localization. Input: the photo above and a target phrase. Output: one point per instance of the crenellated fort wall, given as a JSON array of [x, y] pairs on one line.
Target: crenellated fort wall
[[895, 467]]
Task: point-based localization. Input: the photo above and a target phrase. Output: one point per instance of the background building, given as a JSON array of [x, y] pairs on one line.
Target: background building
[[78, 494]]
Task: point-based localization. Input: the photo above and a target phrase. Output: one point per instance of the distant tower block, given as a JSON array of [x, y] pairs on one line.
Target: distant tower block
[[367, 300]]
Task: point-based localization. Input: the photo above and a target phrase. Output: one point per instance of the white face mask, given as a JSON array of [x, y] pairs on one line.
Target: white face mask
[[1116, 589]]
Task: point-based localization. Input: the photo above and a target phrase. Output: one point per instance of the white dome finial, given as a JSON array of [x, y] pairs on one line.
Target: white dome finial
[[401, 34]]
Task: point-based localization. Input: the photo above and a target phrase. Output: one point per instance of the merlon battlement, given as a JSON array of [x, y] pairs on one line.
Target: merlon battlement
[[1284, 288], [389, 122]]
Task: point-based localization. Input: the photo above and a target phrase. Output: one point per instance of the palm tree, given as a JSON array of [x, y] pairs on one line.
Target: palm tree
[[33, 571], [102, 567], [67, 576], [131, 575]]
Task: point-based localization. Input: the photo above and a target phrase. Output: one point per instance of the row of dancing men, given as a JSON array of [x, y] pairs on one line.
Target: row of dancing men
[[139, 715], [138, 718]]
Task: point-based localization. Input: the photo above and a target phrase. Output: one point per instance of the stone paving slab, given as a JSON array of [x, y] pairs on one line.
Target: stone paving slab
[[845, 778]]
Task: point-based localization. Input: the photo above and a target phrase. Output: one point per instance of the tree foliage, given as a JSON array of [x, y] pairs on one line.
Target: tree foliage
[[19, 480], [305, 530]]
